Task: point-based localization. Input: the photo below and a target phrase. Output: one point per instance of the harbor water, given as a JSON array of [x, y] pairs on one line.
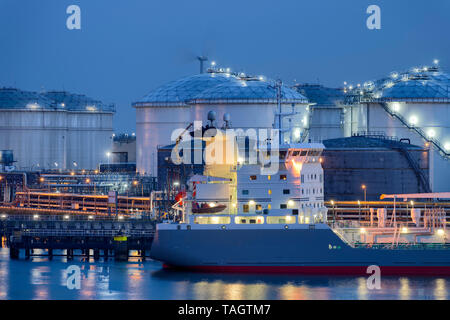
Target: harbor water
[[39, 278]]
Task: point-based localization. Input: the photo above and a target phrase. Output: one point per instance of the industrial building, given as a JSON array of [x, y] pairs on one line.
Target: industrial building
[[54, 130], [250, 101]]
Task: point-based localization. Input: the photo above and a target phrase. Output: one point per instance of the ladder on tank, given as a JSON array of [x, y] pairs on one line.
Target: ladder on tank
[[418, 130]]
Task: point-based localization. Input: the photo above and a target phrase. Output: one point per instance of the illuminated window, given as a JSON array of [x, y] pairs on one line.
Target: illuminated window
[[258, 207], [243, 220], [280, 219], [212, 220], [283, 177], [269, 206], [245, 208], [269, 192], [252, 177], [269, 177]]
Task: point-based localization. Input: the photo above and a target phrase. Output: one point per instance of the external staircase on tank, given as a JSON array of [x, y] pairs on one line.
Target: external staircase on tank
[[418, 130]]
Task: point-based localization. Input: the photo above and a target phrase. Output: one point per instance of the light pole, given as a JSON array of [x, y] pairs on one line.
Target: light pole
[[365, 192]]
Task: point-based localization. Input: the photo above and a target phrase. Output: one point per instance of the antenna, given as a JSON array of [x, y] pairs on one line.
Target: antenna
[[202, 59]]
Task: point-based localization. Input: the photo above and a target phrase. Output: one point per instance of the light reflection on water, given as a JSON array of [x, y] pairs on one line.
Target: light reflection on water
[[39, 278]]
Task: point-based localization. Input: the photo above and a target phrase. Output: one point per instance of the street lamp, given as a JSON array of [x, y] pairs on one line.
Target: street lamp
[[365, 192]]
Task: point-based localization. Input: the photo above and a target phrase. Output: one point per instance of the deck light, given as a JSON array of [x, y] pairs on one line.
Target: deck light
[[404, 230], [212, 204], [431, 133], [36, 216], [120, 217], [66, 217], [251, 202], [90, 217], [3, 216], [440, 232], [362, 230], [290, 203]]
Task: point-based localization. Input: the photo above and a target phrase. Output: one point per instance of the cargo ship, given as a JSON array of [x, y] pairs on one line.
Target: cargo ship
[[278, 223]]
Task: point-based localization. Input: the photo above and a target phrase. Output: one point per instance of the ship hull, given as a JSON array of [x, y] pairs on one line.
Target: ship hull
[[293, 250]]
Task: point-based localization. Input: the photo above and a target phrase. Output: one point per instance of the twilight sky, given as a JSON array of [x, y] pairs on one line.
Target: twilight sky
[[125, 49]]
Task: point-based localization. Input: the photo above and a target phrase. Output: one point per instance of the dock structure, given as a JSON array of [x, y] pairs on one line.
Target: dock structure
[[104, 237]]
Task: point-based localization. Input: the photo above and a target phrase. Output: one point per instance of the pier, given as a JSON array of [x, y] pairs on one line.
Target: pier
[[97, 236]]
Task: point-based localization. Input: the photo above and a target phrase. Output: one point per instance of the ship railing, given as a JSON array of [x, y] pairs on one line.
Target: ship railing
[[412, 246], [347, 235], [86, 233]]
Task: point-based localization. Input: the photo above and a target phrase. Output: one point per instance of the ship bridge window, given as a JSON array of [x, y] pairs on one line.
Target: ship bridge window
[[303, 153], [247, 220], [212, 220], [295, 153], [280, 219]]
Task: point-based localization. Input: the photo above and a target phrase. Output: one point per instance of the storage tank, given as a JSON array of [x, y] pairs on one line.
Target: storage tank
[[89, 125], [413, 105], [327, 111], [250, 101], [53, 130]]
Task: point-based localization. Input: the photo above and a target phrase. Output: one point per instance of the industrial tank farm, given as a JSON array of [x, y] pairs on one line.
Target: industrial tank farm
[[54, 130], [250, 101], [413, 105]]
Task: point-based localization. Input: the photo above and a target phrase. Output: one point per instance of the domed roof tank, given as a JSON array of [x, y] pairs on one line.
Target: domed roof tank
[[179, 92], [11, 98], [248, 91]]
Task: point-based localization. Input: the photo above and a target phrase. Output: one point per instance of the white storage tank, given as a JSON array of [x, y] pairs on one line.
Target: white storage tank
[[327, 112], [413, 105], [251, 103], [54, 130]]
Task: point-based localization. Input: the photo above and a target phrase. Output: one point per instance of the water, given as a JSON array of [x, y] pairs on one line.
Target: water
[[39, 278]]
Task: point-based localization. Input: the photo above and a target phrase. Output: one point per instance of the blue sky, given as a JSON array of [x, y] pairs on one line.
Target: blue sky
[[127, 48]]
